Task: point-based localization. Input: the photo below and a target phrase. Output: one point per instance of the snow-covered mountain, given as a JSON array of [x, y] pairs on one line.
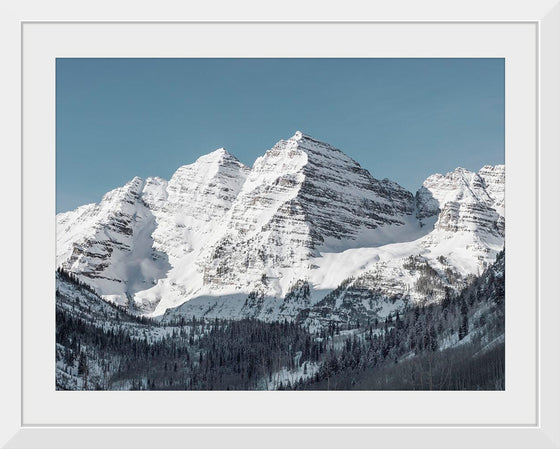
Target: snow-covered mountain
[[306, 232]]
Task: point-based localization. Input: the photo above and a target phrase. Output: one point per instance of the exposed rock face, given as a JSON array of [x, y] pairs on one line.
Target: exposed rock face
[[494, 177], [306, 232], [339, 197], [300, 195], [465, 201], [196, 198], [139, 232], [388, 286], [109, 245]]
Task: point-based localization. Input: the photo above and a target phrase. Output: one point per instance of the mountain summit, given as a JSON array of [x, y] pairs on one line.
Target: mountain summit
[[300, 235]]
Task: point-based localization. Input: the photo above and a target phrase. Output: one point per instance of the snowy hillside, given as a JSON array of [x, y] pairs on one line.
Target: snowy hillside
[[305, 233], [455, 345]]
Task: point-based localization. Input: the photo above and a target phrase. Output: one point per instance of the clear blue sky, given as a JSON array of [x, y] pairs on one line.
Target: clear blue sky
[[402, 119]]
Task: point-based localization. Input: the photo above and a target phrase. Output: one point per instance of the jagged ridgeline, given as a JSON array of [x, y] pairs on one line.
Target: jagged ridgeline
[[304, 231], [453, 345], [302, 271]]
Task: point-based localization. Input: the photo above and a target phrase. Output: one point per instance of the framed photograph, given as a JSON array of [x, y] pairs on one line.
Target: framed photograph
[[315, 230]]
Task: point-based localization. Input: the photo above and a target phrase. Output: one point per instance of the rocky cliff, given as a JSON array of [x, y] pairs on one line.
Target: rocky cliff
[[305, 233]]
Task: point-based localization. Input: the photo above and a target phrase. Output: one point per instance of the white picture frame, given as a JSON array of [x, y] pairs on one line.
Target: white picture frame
[[29, 27]]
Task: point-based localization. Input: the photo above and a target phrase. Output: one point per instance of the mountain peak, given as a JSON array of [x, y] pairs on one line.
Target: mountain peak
[[125, 193], [135, 183], [306, 211], [461, 170], [298, 136], [311, 146], [219, 155], [465, 200], [220, 152], [498, 168]]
